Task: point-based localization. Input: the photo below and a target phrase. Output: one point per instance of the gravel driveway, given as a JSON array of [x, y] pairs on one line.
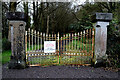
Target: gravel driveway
[[58, 72]]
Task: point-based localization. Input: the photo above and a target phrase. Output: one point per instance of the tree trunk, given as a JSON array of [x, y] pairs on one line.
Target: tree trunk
[[47, 17], [47, 24], [26, 12], [34, 15]]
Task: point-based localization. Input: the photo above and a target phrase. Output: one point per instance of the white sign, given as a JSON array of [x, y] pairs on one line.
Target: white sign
[[49, 46]]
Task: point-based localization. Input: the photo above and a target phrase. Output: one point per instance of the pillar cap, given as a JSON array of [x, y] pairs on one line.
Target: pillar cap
[[16, 16], [106, 17]]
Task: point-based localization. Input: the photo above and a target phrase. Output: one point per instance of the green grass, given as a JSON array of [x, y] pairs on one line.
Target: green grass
[[76, 59], [34, 47], [5, 56], [79, 45], [43, 60]]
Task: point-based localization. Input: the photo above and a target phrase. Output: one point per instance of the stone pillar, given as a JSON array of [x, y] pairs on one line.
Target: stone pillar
[[17, 30], [101, 22]]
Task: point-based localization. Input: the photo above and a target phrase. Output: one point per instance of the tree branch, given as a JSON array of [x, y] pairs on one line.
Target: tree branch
[[75, 16]]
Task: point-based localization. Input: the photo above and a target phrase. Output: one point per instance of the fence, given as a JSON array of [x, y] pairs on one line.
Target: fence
[[71, 48]]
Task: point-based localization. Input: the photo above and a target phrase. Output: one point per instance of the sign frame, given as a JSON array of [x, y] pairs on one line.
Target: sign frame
[[49, 46]]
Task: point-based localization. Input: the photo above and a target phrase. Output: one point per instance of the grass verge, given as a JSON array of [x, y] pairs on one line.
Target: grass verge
[[5, 56]]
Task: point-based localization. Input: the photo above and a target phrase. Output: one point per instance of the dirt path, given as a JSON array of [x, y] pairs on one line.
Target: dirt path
[[58, 72]]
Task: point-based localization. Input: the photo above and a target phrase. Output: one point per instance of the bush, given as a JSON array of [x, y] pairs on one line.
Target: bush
[[113, 45], [6, 45]]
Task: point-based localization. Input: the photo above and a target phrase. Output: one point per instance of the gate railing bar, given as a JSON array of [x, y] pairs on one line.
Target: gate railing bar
[[72, 41], [38, 46], [87, 41], [75, 47], [87, 44], [38, 39], [58, 46], [93, 30], [29, 38], [32, 39], [75, 42], [69, 42], [61, 50], [35, 40], [32, 47], [26, 45], [90, 41], [82, 46], [66, 41], [41, 41], [83, 41], [78, 42], [58, 41]]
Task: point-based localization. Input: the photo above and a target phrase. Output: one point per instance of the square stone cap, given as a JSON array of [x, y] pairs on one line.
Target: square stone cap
[[107, 17], [16, 16]]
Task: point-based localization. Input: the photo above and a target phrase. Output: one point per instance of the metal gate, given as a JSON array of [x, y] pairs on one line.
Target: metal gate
[[77, 48], [71, 48]]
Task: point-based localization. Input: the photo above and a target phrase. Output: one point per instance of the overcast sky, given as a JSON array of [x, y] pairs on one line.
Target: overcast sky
[[75, 2]]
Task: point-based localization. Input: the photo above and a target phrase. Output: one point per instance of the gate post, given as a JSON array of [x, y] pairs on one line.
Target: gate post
[[101, 22], [17, 29]]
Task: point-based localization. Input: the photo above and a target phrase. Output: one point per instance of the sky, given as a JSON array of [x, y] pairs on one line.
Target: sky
[[62, 0], [75, 2], [43, 0]]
